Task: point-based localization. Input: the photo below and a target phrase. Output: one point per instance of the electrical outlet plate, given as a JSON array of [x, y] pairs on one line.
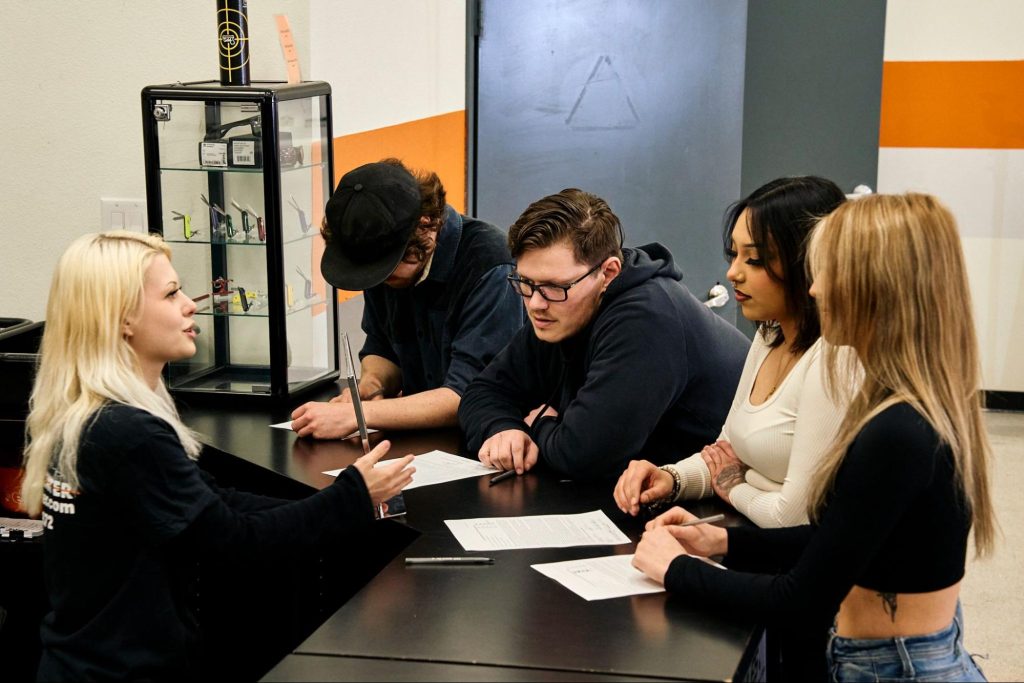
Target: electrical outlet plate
[[123, 214]]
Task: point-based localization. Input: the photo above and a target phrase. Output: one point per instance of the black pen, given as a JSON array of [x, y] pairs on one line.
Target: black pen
[[448, 560], [507, 474]]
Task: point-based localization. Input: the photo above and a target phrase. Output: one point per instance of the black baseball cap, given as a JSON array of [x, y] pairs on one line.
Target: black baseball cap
[[371, 216]]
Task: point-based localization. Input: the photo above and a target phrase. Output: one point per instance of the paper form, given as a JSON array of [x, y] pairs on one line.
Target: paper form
[[600, 578], [538, 531], [437, 467], [288, 425]]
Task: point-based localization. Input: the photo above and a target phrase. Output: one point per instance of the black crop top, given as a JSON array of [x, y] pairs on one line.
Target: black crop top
[[896, 522]]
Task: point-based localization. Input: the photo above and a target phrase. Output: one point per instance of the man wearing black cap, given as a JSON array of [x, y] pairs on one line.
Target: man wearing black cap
[[437, 306]]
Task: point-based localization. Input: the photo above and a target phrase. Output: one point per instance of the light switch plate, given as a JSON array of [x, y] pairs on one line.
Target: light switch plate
[[123, 214]]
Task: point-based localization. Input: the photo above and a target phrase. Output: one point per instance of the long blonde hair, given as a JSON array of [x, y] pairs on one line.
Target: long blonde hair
[[85, 360], [894, 286]]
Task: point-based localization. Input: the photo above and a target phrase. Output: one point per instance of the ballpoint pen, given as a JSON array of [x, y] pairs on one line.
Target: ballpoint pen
[[449, 560], [703, 520], [357, 403], [507, 474], [353, 387]]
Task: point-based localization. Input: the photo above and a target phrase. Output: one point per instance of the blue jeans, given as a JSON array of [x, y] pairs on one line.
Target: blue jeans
[[938, 656]]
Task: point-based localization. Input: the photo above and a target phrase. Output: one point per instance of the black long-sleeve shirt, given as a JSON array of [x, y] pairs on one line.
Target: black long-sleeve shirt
[[895, 522], [112, 548], [652, 376]]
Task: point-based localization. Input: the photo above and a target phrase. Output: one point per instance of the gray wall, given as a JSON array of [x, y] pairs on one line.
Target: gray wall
[[812, 90], [720, 97], [637, 101]]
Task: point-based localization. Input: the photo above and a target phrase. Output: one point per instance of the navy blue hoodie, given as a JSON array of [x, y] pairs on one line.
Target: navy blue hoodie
[[651, 376]]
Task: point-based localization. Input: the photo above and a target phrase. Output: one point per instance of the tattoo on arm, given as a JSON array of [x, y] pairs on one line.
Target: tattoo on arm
[[889, 604], [729, 476]]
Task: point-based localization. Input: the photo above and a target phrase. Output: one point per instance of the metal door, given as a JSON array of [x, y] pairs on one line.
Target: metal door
[[638, 101]]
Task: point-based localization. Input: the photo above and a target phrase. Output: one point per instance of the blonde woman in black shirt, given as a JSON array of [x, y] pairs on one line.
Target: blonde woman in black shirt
[[898, 492], [111, 470]]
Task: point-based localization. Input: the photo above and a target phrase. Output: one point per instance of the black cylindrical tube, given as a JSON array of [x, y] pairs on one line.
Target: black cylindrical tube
[[233, 41]]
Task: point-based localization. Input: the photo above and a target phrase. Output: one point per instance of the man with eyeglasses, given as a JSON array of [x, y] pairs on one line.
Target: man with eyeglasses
[[436, 308], [619, 360]]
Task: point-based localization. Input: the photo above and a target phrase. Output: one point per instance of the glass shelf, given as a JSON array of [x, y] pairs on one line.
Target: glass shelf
[[192, 168], [234, 242], [261, 311]]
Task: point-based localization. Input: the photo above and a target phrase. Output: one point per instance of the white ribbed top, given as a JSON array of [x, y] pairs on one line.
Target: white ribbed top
[[781, 440]]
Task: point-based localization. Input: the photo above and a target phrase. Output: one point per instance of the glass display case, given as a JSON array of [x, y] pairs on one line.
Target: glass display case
[[236, 181]]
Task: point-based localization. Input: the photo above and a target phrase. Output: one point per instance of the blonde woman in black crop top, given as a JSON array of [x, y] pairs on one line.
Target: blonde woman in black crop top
[[897, 493]]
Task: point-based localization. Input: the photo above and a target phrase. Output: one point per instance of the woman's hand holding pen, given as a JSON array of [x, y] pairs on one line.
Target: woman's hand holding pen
[[696, 539], [655, 553], [641, 484], [388, 480], [664, 540]]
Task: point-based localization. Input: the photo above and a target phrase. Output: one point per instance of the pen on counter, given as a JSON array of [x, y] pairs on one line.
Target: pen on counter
[[704, 520], [448, 560], [507, 474]]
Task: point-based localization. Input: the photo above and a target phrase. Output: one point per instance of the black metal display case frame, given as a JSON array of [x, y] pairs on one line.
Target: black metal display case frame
[[221, 377]]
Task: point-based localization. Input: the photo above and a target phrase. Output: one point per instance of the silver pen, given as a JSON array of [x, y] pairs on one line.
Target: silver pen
[[448, 560], [353, 388], [357, 403], [704, 520]]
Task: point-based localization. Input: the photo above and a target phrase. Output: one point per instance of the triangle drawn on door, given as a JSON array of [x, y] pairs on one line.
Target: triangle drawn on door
[[603, 103]]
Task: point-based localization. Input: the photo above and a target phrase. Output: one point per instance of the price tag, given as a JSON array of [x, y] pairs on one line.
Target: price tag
[[213, 153], [243, 153]]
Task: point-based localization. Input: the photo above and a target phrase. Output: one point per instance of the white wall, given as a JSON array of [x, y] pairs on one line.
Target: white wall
[[389, 61], [983, 187], [72, 73]]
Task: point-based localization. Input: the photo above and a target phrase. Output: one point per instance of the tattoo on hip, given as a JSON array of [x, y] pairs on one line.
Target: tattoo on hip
[[889, 604]]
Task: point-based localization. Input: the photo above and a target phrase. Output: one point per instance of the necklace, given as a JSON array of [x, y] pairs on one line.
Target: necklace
[[781, 372]]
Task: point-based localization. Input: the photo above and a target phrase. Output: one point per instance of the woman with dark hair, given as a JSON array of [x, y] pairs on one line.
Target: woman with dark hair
[[899, 489], [781, 419]]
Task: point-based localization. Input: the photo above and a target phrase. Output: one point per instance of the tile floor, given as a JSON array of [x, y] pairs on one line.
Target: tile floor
[[993, 589]]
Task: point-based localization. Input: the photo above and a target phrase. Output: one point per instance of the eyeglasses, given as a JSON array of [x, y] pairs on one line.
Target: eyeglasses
[[555, 293]]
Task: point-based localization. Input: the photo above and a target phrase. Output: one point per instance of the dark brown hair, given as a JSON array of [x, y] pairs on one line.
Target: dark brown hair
[[433, 204], [782, 214], [582, 219]]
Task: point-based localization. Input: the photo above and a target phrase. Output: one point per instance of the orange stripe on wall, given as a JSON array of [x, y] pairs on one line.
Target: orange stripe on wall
[[437, 143], [953, 104]]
